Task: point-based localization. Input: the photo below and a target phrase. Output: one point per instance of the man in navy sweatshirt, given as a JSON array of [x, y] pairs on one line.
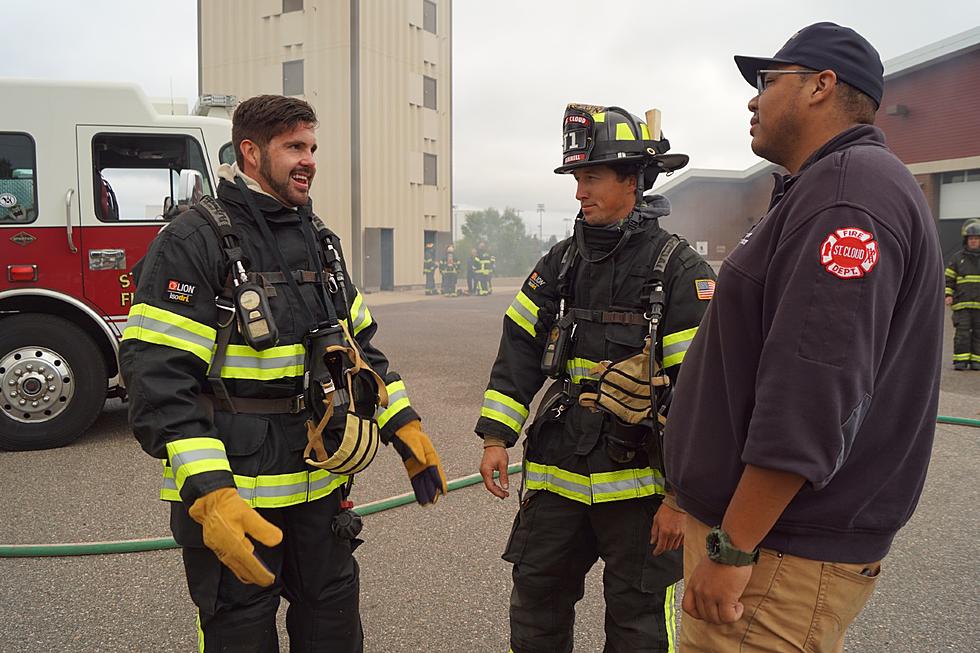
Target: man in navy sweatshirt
[[802, 424]]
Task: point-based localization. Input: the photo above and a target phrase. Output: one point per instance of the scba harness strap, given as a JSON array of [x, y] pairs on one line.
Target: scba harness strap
[[333, 362]]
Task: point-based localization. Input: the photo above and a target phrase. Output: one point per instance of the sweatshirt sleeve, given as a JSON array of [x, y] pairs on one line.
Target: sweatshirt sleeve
[[830, 290]]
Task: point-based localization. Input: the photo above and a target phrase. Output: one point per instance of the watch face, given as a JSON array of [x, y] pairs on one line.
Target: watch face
[[713, 543]]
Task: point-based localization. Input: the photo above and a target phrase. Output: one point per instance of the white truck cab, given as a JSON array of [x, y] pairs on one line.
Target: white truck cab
[[89, 173]]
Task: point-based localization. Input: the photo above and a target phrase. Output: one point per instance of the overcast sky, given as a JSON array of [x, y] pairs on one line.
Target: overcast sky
[[516, 64]]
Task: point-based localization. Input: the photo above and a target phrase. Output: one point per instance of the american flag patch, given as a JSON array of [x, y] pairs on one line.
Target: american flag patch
[[705, 288]]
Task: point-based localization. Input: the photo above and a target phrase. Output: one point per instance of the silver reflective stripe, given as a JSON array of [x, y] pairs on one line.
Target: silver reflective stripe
[[166, 329], [677, 347], [505, 409], [181, 459], [321, 483], [524, 312], [652, 480], [273, 491], [571, 486], [169, 483], [254, 362], [396, 395]]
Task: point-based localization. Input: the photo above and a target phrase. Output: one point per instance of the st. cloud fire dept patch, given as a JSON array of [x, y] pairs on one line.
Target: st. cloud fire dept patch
[[849, 253], [179, 292]]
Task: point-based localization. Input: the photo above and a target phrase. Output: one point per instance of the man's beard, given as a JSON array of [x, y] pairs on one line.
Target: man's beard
[[280, 188]]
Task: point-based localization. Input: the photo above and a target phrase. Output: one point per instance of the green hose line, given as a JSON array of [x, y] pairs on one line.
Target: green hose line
[[161, 543], [960, 421]]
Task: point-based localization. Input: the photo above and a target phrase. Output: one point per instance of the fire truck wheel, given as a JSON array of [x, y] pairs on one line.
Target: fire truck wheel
[[54, 382]]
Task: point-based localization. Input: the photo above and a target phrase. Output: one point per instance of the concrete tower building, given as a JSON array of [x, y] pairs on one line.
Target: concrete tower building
[[379, 74]]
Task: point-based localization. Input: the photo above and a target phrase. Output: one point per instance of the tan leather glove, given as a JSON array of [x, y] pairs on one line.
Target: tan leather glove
[[226, 520], [421, 462]]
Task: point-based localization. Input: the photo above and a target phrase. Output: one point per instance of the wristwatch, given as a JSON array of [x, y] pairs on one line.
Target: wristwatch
[[720, 550]]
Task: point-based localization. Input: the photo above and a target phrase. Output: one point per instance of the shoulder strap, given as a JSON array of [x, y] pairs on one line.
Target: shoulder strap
[[220, 221], [658, 296]]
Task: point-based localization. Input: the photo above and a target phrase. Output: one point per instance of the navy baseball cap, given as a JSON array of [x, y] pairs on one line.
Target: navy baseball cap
[[826, 46]]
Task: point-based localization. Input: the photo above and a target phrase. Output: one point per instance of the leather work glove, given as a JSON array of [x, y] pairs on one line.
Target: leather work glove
[[226, 520], [421, 461]]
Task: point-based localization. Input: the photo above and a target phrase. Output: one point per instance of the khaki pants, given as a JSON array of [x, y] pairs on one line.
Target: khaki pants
[[791, 604]]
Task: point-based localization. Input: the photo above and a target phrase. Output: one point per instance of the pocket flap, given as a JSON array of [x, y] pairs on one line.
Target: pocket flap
[[242, 434]]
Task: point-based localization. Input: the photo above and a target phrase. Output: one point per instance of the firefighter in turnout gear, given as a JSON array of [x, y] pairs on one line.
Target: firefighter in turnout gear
[[592, 486], [449, 271], [483, 267], [252, 375], [429, 269], [963, 296]]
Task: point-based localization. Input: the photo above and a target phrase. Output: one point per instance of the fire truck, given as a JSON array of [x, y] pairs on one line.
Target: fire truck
[[89, 174]]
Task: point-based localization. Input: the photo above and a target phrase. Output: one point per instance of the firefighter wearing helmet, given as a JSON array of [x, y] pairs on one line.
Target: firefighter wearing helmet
[[963, 296], [593, 480]]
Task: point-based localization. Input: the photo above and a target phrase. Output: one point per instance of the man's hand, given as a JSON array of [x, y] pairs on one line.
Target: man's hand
[[713, 591], [495, 459], [949, 300], [667, 530]]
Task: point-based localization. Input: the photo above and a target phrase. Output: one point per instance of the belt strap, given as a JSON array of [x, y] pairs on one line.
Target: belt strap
[[255, 406], [301, 276], [607, 317]]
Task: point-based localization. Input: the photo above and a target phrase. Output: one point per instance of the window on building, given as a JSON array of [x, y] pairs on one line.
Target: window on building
[[291, 5], [18, 191], [957, 177], [292, 77], [146, 176], [429, 16], [428, 92], [429, 169]]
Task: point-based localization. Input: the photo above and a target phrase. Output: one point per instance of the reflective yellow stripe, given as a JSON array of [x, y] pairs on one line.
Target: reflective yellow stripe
[[675, 346], [949, 291], [644, 131], [524, 312], [501, 408], [626, 484], [554, 479], [951, 273], [200, 634], [624, 133], [670, 618], [190, 456], [162, 327], [397, 402], [970, 278], [599, 117], [271, 490], [360, 315], [580, 369], [243, 362], [961, 305], [600, 487]]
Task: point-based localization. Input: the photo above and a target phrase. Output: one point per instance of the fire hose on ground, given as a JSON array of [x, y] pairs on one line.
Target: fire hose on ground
[[162, 543]]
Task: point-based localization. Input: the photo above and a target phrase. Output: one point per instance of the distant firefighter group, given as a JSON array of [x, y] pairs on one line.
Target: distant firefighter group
[[479, 271]]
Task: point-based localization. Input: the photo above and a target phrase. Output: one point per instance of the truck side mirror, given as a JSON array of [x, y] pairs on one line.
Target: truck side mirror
[[190, 189]]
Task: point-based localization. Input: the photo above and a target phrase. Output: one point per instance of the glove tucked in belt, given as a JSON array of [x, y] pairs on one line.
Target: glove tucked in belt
[[421, 461], [226, 520]]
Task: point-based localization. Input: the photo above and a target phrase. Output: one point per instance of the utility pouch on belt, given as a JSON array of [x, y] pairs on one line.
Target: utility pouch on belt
[[337, 377]]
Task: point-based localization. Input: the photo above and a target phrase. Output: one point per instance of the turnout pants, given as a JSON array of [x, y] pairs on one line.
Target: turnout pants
[[966, 339], [430, 283], [449, 284], [314, 570], [554, 543]]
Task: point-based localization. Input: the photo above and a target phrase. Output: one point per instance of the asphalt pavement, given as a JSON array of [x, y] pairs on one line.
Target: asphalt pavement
[[432, 579]]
